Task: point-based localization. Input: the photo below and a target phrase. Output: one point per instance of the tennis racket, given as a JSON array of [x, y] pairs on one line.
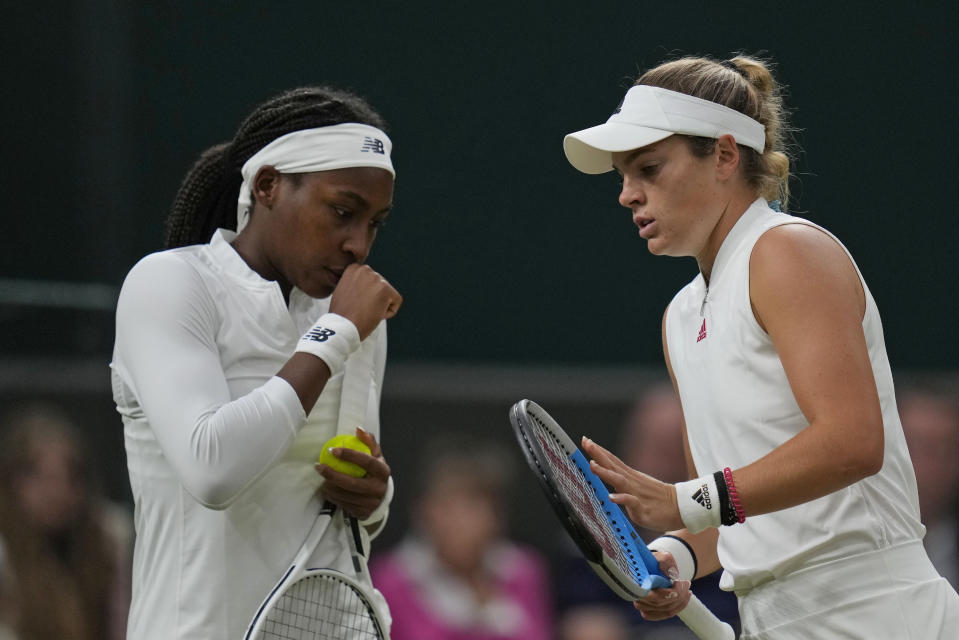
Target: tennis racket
[[597, 525], [315, 603]]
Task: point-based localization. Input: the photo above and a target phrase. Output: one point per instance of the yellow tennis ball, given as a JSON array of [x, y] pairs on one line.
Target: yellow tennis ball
[[345, 441]]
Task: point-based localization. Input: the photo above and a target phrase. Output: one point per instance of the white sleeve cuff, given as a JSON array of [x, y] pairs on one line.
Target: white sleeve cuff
[[332, 339], [377, 520], [681, 552]]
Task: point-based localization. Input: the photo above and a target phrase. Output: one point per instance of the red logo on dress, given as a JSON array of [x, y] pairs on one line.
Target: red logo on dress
[[702, 331]]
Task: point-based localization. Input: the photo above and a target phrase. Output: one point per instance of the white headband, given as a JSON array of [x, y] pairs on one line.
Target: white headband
[[337, 146], [650, 114]]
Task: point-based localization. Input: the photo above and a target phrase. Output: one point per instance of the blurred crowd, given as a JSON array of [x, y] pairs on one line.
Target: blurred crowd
[[64, 549], [458, 573], [930, 419]]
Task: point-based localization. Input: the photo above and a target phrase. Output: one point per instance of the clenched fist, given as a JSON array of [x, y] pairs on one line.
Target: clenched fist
[[365, 298]]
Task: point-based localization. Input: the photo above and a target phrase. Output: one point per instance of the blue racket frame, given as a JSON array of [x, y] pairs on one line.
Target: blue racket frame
[[633, 573], [641, 571], [649, 579]]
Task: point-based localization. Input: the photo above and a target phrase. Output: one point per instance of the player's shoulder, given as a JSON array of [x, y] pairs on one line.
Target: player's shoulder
[[164, 266], [166, 281], [803, 262], [794, 245]]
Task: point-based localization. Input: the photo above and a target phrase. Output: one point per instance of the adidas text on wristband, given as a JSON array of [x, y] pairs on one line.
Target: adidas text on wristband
[[332, 339], [699, 504]]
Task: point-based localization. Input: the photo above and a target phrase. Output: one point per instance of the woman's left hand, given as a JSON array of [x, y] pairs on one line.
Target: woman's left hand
[[648, 502], [660, 604], [358, 497]]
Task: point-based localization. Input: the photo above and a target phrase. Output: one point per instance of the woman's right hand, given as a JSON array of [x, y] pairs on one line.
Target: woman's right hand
[[365, 298], [358, 496], [648, 502]]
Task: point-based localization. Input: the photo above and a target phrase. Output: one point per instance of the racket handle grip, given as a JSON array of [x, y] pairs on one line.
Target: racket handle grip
[[704, 623]]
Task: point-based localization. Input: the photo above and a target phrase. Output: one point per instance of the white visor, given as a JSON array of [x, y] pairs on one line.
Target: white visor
[[337, 146], [650, 114]]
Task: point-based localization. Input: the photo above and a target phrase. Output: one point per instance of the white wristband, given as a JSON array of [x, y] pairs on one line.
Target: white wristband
[[682, 554], [332, 339], [380, 512], [699, 503]]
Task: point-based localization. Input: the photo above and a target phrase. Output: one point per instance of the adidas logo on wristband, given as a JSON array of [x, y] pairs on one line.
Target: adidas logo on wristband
[[702, 497], [695, 501]]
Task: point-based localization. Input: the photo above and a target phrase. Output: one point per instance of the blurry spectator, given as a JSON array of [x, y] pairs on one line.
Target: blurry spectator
[[652, 441], [65, 549], [7, 613], [930, 420], [595, 622], [653, 435], [456, 576]]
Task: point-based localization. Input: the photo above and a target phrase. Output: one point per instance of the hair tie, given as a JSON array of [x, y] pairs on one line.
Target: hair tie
[[729, 64]]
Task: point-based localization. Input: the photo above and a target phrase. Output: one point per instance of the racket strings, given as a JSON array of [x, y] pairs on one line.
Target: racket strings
[[321, 608], [581, 496]]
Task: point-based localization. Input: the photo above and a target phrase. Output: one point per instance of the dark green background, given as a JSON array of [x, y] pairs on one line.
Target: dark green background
[[503, 252]]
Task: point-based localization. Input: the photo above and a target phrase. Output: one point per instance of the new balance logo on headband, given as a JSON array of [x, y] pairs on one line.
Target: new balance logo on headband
[[373, 144]]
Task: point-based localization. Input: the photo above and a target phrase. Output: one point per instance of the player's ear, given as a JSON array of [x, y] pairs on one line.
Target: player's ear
[[727, 156], [265, 184]]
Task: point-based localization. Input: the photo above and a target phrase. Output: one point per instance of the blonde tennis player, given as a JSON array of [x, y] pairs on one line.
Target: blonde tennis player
[[803, 491], [228, 363]]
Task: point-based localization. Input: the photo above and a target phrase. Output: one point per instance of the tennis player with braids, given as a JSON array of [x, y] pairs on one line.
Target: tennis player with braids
[[227, 368], [803, 490]]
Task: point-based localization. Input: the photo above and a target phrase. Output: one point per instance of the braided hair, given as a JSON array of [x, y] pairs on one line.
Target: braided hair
[[207, 196]]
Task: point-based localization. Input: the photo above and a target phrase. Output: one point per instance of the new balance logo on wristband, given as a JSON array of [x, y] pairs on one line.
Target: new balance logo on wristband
[[373, 144], [319, 334], [702, 497]]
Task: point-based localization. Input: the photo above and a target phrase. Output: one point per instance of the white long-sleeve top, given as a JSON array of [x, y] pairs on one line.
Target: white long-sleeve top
[[219, 450], [738, 407]]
